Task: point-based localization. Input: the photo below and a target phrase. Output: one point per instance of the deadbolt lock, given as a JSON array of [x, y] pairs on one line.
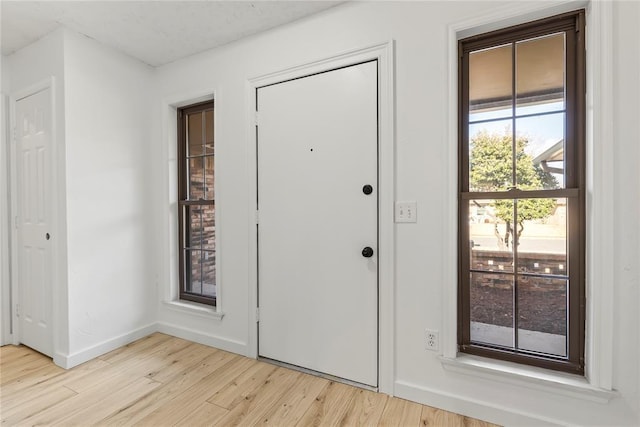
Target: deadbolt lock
[[367, 252]]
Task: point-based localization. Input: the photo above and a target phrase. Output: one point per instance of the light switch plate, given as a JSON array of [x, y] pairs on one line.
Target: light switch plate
[[406, 211]]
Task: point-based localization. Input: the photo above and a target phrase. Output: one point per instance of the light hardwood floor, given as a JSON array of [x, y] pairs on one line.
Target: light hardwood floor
[[161, 380]]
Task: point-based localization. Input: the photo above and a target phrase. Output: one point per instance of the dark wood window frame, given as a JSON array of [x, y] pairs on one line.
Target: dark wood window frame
[[184, 202], [573, 25]]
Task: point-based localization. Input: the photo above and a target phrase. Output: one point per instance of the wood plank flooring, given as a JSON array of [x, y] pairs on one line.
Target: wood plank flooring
[[161, 381]]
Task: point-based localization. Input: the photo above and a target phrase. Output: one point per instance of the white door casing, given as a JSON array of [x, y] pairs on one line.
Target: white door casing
[[318, 294], [33, 175]]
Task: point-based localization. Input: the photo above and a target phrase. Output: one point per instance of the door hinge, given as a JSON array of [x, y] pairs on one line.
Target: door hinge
[[256, 117], [257, 314], [257, 217], [17, 310]]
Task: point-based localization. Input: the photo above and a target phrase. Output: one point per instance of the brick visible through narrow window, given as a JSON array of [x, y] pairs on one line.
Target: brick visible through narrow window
[[196, 203]]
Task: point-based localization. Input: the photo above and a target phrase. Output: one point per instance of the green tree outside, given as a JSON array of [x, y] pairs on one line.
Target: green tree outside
[[491, 169]]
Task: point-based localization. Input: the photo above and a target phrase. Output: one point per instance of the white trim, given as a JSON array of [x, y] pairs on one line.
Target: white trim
[[221, 343], [194, 309], [598, 353], [79, 357], [252, 191], [514, 13], [69, 361], [527, 376], [384, 53], [600, 195], [472, 407], [56, 256], [6, 336], [169, 296]]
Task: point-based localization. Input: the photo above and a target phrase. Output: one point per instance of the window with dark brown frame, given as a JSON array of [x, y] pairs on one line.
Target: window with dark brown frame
[[521, 194], [196, 203]]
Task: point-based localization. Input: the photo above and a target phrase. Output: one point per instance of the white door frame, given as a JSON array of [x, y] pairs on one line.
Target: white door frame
[[42, 85], [5, 244], [384, 54]]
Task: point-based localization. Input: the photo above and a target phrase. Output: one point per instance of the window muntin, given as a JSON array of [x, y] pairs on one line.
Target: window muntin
[[521, 199], [196, 201]]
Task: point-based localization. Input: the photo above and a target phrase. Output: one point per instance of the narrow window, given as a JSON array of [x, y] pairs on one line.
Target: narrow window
[[196, 204], [521, 194]]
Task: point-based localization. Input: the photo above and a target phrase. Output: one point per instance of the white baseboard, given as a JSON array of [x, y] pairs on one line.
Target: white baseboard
[[69, 361], [226, 344], [448, 401], [474, 408], [6, 339], [77, 358]]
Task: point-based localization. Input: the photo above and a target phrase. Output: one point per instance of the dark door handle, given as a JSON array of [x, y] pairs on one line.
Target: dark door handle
[[367, 252], [47, 236], [367, 189]]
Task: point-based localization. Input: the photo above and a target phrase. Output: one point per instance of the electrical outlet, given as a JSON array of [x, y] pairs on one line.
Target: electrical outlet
[[431, 340]]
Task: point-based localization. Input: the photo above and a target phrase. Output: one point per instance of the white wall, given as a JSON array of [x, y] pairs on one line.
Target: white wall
[[420, 31], [111, 294], [626, 148], [104, 295], [115, 130], [31, 65]]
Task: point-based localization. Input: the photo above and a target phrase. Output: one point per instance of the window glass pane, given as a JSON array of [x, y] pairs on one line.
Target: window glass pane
[[208, 273], [194, 134], [542, 244], [197, 228], [542, 315], [490, 156], [540, 73], [209, 227], [196, 179], [537, 109], [491, 298], [490, 114], [489, 236], [208, 141], [193, 271], [193, 215], [490, 83], [522, 99], [209, 177], [540, 152]]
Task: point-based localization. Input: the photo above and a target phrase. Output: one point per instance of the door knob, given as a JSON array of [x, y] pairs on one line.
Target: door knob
[[367, 252], [367, 189], [47, 236]]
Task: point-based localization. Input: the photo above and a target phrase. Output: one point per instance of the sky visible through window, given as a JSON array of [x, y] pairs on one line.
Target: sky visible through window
[[542, 124]]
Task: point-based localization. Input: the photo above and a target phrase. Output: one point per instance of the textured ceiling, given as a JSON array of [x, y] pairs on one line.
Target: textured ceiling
[[156, 32]]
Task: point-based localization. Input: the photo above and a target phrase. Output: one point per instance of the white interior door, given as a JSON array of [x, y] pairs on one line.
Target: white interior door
[[317, 292], [33, 167]]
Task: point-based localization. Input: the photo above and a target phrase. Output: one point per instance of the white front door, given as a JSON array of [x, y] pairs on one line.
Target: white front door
[[317, 284], [33, 167]]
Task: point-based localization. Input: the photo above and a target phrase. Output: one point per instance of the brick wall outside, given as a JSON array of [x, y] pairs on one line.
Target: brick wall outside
[[203, 232], [542, 302]]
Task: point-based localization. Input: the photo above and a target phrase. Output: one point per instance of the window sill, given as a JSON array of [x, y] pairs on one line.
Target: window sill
[[527, 376], [193, 308]]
